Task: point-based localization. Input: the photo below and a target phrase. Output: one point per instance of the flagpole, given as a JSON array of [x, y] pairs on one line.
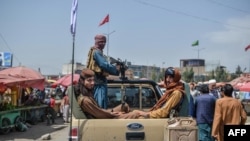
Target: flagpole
[[199, 49], [108, 43], [106, 20], [73, 32], [198, 66], [72, 92]]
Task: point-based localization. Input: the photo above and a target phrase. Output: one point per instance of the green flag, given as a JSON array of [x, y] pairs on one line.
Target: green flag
[[196, 43]]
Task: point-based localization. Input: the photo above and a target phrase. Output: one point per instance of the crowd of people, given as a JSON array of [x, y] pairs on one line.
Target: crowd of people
[[216, 106]]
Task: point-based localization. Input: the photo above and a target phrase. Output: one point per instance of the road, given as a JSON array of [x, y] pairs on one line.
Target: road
[[59, 132], [35, 132]]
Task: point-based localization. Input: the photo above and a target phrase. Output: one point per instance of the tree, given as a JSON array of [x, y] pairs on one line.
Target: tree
[[219, 74], [153, 76], [188, 75], [211, 75], [238, 71], [162, 75]]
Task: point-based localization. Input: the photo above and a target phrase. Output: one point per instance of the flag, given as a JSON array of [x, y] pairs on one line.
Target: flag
[[73, 17], [105, 20], [196, 43], [248, 47]]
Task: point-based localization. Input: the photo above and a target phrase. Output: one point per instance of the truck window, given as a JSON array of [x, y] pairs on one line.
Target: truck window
[[114, 97], [148, 98], [133, 96]]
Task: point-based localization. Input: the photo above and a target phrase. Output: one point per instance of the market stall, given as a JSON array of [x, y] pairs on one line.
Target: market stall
[[18, 98]]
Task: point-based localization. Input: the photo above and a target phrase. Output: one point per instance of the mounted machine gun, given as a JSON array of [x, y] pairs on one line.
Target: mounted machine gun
[[123, 65]]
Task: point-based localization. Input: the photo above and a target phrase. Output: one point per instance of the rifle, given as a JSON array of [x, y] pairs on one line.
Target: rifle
[[123, 65]]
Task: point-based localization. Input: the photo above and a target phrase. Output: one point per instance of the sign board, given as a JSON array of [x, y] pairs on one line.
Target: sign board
[[6, 59]]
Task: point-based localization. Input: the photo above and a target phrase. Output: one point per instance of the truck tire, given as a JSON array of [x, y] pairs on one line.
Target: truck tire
[[5, 129]]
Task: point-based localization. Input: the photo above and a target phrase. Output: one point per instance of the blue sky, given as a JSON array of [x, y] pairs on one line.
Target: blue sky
[[147, 32]]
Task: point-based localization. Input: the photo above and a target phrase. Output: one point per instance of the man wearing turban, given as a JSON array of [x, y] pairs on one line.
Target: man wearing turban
[[84, 94], [171, 98], [98, 63]]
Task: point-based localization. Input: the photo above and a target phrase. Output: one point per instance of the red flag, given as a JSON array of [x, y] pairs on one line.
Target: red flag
[[105, 20], [248, 47]]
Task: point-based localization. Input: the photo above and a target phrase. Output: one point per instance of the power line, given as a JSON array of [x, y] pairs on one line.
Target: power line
[[188, 15], [9, 48], [223, 5]]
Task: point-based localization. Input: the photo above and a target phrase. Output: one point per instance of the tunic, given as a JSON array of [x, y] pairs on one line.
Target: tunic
[[164, 111], [89, 106], [228, 111]]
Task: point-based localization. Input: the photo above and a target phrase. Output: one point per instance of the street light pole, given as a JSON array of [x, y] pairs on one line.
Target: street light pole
[[198, 69], [108, 43], [199, 51]]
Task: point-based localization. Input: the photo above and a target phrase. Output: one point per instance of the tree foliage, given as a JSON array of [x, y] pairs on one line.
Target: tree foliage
[[219, 74], [154, 76], [238, 71], [188, 75]]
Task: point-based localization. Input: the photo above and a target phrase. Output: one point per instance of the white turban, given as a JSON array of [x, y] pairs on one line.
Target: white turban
[[212, 81]]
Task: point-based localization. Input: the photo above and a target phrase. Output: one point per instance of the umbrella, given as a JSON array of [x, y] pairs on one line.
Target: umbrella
[[245, 88], [66, 80], [23, 77]]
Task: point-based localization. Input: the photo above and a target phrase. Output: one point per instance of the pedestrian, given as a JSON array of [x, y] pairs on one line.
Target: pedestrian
[[194, 92], [171, 99], [98, 63], [204, 113], [65, 108], [228, 111], [213, 89], [51, 114]]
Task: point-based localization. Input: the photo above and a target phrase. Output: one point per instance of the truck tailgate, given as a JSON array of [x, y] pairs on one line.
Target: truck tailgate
[[122, 129]]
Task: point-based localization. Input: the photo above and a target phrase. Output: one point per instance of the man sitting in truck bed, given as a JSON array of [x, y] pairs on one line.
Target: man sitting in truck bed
[[171, 99], [84, 94]]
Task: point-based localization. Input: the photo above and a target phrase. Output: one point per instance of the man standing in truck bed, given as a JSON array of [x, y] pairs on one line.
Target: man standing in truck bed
[[102, 68]]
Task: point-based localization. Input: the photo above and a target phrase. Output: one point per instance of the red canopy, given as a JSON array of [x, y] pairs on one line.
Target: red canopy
[[66, 80], [245, 88], [22, 76], [240, 81]]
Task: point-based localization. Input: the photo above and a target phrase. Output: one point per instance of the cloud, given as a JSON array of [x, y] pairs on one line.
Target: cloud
[[228, 43], [236, 31]]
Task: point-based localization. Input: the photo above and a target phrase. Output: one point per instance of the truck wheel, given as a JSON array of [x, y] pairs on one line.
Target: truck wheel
[[5, 126]]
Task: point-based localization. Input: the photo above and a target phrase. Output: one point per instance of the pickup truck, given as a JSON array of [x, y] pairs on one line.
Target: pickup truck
[[140, 95]]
